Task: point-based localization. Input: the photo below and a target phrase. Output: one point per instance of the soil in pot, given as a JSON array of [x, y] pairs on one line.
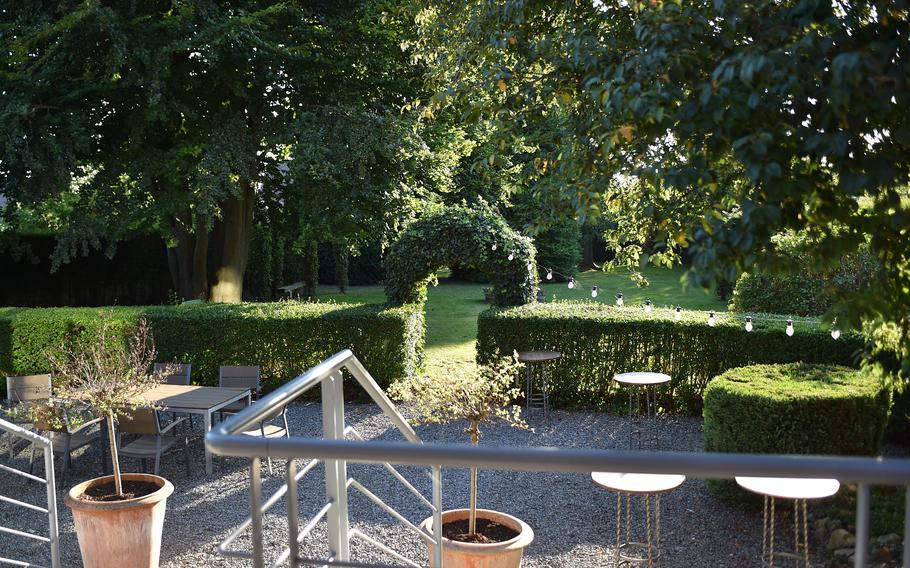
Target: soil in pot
[[488, 531], [132, 489]]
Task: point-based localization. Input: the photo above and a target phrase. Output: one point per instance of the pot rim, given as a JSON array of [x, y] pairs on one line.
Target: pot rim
[[73, 500], [524, 538]]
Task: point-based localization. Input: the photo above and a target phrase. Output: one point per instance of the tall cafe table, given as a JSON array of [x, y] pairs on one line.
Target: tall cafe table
[[196, 400]]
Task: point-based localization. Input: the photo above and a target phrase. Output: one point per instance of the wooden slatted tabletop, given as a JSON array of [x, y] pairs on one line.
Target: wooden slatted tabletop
[[191, 397]]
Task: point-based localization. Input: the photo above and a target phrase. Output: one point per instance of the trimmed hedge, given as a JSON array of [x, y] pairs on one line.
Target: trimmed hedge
[[284, 338], [796, 408], [600, 340]]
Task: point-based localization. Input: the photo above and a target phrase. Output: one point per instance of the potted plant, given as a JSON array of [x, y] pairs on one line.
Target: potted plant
[[118, 518], [472, 537]]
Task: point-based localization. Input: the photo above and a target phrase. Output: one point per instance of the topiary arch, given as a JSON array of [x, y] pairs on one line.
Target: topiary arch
[[458, 235]]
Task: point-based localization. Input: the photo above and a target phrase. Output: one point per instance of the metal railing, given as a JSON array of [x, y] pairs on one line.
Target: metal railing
[[336, 451], [53, 537]]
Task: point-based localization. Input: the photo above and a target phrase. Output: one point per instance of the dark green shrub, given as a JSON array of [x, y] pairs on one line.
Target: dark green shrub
[[598, 341], [793, 409], [457, 235], [285, 338], [559, 250], [807, 291]]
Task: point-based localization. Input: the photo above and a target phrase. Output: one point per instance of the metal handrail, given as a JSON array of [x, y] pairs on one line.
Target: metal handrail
[[329, 376], [53, 537], [865, 471]]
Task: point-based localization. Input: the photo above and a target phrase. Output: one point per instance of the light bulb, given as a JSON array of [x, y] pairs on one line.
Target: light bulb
[[594, 291], [619, 300], [748, 324], [571, 283], [530, 267], [711, 321], [494, 246], [790, 330], [648, 306], [678, 315], [549, 275], [835, 333], [511, 256]]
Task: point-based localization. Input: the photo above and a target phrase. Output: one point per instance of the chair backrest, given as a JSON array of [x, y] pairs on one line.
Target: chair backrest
[[180, 373], [52, 419], [29, 387], [139, 421], [239, 376]]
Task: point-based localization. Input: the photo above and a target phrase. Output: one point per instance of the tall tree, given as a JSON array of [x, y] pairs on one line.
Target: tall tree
[[170, 116], [705, 127]]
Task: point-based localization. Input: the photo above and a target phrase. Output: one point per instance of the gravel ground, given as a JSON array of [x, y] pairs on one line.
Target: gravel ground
[[573, 520]]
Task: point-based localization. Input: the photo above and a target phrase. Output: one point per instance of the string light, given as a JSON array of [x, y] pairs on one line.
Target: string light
[[678, 315], [835, 333], [619, 300], [494, 246], [711, 321], [571, 283], [649, 307], [594, 291], [790, 330], [511, 256], [549, 275], [530, 267], [748, 323]]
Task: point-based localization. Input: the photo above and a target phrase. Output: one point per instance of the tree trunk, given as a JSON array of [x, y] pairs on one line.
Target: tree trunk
[[231, 246], [188, 260], [342, 255], [115, 459], [310, 269]]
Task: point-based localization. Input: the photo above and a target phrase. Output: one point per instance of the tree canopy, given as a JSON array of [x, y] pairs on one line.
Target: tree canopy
[[703, 128]]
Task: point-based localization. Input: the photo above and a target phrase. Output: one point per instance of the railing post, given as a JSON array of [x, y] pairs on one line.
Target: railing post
[[293, 514], [256, 511], [862, 525], [53, 532], [336, 474], [906, 563], [437, 516]]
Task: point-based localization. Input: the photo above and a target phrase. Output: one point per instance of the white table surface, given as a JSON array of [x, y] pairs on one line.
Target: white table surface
[[637, 482], [641, 378], [790, 488]]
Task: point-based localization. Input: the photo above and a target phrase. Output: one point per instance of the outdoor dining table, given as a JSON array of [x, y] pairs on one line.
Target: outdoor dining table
[[196, 400]]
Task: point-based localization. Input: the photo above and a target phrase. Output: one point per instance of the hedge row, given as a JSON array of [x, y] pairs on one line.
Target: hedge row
[[600, 340], [284, 338]]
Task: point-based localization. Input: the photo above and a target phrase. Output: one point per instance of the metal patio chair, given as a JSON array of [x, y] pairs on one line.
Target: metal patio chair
[[67, 435], [248, 377], [152, 440]]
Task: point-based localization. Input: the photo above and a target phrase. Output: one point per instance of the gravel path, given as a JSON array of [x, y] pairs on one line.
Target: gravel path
[[573, 521]]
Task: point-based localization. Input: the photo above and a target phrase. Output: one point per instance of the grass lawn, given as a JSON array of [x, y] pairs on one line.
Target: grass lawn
[[452, 307]]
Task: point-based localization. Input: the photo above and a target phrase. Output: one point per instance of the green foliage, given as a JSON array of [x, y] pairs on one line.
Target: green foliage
[[803, 291], [706, 127], [284, 338], [794, 409], [597, 341], [463, 236]]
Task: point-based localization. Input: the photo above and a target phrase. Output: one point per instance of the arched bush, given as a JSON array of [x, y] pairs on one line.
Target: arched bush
[[458, 235]]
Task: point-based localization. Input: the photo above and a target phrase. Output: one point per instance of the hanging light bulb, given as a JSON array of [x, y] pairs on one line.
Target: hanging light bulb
[[549, 274], [835, 333], [649, 307], [711, 321], [790, 330], [511, 256], [530, 267], [594, 291], [571, 283], [748, 323], [619, 300], [678, 315], [494, 246]]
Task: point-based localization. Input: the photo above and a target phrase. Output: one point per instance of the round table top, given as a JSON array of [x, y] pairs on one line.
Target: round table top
[[641, 378], [538, 356], [637, 482], [790, 488]]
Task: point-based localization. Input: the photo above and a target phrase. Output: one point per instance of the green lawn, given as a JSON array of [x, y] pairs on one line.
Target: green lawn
[[452, 307]]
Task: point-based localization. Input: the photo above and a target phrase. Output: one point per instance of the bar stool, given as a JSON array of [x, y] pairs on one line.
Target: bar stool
[[644, 424], [537, 363], [800, 490], [646, 551]]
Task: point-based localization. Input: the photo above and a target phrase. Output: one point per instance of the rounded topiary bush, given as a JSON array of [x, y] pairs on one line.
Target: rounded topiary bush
[[795, 408]]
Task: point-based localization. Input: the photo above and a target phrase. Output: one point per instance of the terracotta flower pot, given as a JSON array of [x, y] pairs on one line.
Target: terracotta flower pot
[[120, 534], [505, 554]]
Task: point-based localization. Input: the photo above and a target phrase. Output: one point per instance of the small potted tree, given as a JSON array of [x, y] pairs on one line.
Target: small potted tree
[[118, 518], [472, 537]]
